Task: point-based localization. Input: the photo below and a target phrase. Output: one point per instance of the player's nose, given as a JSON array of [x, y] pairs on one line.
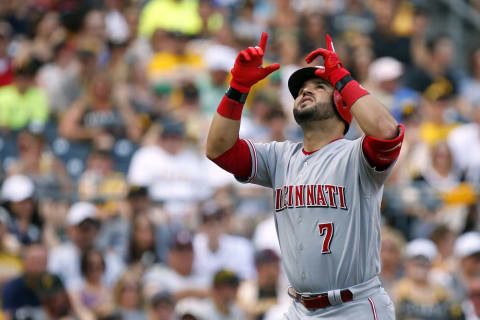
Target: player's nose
[[305, 91]]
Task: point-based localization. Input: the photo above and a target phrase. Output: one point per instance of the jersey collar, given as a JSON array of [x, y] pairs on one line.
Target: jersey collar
[[307, 153]]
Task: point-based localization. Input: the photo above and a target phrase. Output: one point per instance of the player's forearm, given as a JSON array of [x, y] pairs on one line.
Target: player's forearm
[[373, 118], [222, 135]]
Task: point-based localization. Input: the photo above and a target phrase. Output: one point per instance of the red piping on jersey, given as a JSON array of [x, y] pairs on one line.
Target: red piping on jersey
[[374, 311], [310, 152], [254, 160]]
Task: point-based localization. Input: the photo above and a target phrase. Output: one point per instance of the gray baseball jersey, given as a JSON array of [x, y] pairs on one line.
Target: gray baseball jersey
[[327, 211]]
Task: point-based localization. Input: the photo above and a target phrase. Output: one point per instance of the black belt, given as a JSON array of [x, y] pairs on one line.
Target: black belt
[[318, 301]]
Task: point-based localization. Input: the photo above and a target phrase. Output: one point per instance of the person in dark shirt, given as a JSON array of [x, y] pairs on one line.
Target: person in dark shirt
[[19, 293]]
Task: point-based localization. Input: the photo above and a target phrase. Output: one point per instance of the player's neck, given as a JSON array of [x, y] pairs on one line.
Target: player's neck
[[320, 133]]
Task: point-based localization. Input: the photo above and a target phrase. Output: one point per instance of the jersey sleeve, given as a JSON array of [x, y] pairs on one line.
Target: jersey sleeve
[[369, 172], [264, 160]]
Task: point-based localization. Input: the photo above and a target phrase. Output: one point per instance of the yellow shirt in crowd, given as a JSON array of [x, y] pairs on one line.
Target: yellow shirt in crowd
[[17, 110]]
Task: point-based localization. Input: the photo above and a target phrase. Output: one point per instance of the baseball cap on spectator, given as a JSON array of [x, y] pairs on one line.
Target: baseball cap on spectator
[[211, 211], [162, 297], [48, 285], [219, 57], [225, 277], [80, 212], [172, 128], [385, 69], [440, 89], [17, 188], [421, 248], [467, 244], [182, 240], [192, 307], [266, 256], [137, 191]]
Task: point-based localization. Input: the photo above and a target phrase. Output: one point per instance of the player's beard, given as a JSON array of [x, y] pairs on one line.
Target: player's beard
[[320, 111]]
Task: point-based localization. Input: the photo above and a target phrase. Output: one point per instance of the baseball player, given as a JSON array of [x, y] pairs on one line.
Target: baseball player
[[327, 190]]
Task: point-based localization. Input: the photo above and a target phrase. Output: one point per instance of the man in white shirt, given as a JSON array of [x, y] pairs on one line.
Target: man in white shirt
[[177, 277], [173, 173], [83, 227], [215, 249]]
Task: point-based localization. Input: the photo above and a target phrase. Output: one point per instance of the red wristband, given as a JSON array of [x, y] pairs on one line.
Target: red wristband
[[352, 92], [230, 109]]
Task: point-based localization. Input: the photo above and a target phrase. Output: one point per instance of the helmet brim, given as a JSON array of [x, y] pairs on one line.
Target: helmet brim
[[298, 78]]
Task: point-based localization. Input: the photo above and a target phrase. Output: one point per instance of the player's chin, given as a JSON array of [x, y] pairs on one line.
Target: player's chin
[[302, 115]]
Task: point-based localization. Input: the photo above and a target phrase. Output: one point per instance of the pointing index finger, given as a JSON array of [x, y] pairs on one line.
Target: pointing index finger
[[330, 46], [263, 41]]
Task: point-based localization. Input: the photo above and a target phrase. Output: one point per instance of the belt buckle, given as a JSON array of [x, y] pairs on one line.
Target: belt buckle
[[311, 296]]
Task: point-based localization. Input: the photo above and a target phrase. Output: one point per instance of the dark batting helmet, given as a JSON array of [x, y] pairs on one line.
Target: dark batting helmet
[[298, 78]]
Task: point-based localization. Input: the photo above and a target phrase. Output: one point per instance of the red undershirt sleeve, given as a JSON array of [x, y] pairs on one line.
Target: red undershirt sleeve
[[236, 160], [381, 153]]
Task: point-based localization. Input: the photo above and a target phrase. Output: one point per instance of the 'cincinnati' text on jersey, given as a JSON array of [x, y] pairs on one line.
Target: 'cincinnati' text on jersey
[[311, 195]]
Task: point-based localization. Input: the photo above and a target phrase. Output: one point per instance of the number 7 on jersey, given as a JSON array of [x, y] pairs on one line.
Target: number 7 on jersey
[[326, 230]]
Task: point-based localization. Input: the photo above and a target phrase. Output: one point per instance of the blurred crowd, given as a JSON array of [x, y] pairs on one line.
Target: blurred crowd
[[109, 208]]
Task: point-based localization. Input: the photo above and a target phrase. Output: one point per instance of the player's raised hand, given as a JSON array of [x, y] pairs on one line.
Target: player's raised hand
[[248, 68], [334, 70]]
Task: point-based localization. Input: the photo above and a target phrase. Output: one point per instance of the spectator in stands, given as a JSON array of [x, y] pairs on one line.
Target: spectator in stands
[[384, 75], [22, 103], [93, 299], [172, 15], [391, 255], [18, 193], [173, 172], [222, 304], [48, 33], [211, 85], [467, 251], [445, 264], [438, 98], [436, 69], [215, 249], [439, 181], [173, 61], [57, 78], [177, 276], [471, 305], [40, 164], [257, 296], [99, 116], [467, 137], [416, 291], [128, 295], [65, 260], [100, 181], [56, 303], [10, 262], [470, 90], [140, 93], [161, 306], [142, 252], [20, 294], [385, 40]]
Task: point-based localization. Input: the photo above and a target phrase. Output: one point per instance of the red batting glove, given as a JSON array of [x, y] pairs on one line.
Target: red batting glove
[[334, 70], [248, 66]]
